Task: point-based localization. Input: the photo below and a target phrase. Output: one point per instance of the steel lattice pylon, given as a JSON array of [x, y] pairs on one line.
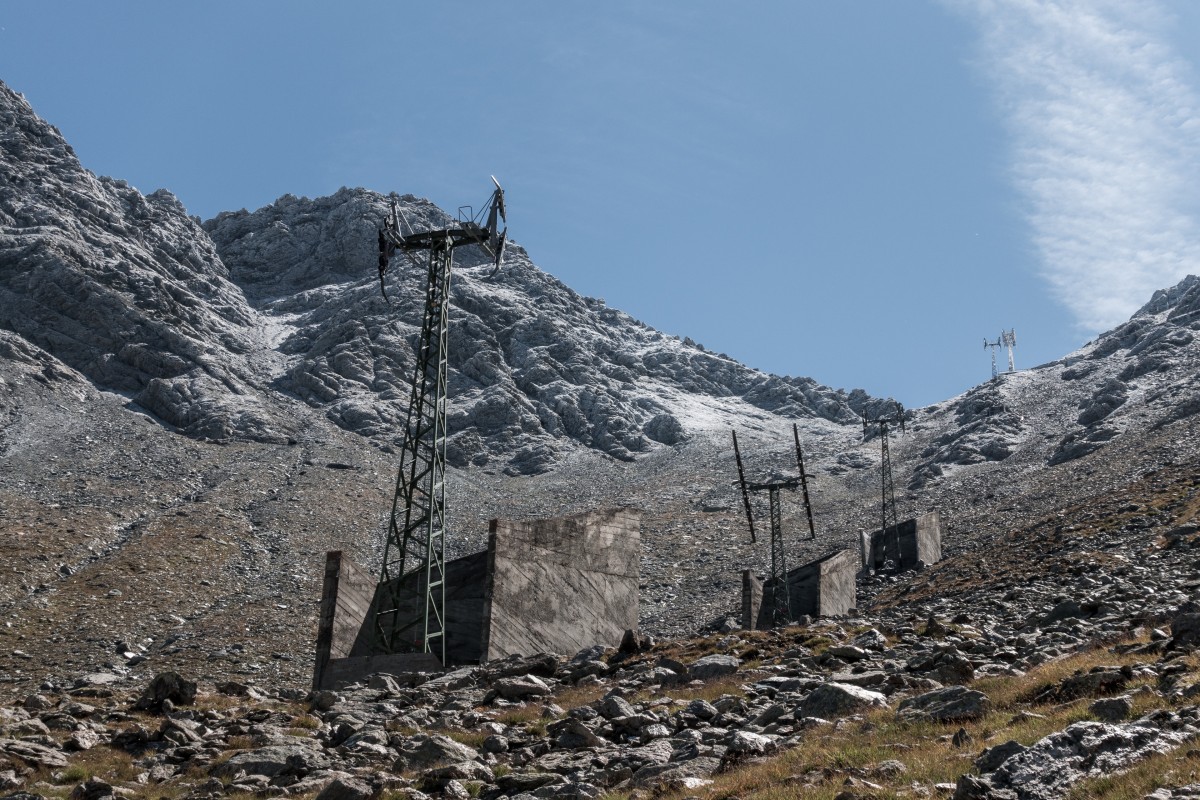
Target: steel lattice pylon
[[416, 539], [411, 595], [887, 505], [781, 595]]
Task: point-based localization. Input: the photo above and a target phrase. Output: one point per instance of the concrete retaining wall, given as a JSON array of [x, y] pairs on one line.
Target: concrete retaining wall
[[556, 585], [821, 588], [907, 544]]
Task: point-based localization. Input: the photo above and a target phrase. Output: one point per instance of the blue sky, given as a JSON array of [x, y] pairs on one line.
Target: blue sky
[[857, 191]]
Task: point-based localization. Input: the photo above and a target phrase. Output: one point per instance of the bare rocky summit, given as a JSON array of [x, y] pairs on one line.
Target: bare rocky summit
[[192, 413]]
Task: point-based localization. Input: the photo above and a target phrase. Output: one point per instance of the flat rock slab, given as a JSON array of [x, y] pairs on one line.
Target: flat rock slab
[[272, 761], [33, 753]]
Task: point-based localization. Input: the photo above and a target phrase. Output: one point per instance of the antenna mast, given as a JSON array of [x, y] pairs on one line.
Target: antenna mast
[[1009, 339], [411, 594]]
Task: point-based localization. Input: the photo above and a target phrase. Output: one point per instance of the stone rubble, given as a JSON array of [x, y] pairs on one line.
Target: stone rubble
[[495, 731]]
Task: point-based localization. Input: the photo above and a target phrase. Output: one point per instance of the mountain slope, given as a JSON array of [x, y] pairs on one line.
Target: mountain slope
[[535, 368], [1142, 374]]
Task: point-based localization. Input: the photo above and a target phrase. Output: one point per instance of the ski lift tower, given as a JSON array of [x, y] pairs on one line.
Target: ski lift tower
[[781, 595], [887, 508], [411, 595]]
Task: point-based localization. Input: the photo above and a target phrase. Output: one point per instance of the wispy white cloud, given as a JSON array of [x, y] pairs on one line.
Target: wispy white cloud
[[1106, 134]]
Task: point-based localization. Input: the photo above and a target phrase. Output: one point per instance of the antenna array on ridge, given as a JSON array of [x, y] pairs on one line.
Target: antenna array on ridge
[[1006, 339]]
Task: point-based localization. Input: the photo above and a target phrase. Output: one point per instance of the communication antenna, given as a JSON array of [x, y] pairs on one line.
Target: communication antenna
[[993, 346], [887, 507], [781, 594], [1009, 339], [411, 594]]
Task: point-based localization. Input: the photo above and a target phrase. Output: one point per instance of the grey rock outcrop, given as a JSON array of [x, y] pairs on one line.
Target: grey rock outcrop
[[831, 700], [1050, 766]]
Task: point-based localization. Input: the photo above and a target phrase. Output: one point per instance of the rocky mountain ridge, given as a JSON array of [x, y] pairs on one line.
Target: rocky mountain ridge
[[218, 330]]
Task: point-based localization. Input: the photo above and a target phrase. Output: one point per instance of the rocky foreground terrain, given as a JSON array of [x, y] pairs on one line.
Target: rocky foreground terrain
[[192, 412]]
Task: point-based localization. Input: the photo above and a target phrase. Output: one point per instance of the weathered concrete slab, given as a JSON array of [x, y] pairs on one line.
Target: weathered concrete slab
[[821, 588], [560, 585], [904, 546], [752, 593]]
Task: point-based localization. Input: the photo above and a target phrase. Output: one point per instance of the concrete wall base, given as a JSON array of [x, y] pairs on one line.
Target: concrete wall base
[[822, 588], [552, 585], [904, 546]]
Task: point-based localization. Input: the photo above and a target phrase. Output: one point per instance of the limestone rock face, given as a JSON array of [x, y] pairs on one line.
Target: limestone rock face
[[123, 287]]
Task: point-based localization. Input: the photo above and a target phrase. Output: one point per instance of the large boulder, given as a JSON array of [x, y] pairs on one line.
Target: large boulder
[[426, 751], [1185, 627], [272, 761], [833, 700], [345, 787], [951, 704], [713, 666], [945, 664], [167, 686], [521, 687]]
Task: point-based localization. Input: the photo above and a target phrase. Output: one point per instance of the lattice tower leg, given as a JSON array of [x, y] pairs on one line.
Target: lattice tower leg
[[993, 362], [781, 594], [411, 613]]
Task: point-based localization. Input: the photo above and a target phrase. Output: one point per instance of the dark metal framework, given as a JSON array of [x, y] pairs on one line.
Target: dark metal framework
[[411, 595], [781, 594], [887, 507], [992, 346]]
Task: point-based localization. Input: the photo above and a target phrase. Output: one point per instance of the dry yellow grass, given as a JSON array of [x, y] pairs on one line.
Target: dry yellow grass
[[853, 749]]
